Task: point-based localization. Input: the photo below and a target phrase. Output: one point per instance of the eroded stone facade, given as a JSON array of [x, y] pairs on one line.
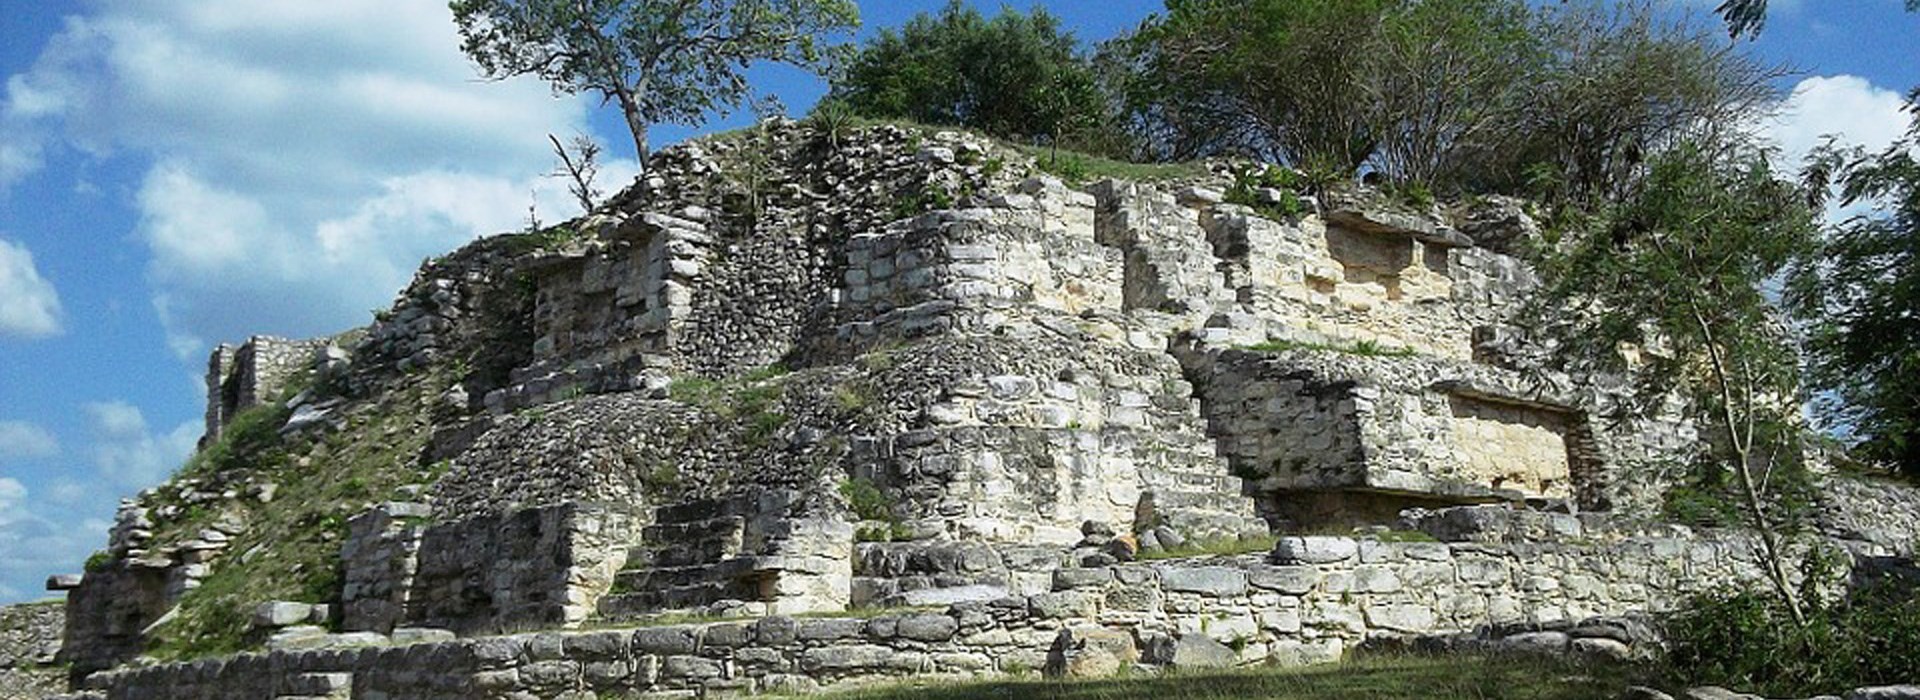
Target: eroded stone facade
[[1310, 601], [906, 369]]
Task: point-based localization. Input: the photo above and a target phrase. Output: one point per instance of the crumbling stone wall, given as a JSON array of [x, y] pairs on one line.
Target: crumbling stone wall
[[538, 567], [1312, 600], [1023, 360], [29, 643], [257, 371]]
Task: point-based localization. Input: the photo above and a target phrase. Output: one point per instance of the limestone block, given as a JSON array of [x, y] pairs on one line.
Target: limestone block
[[1206, 580], [1886, 692], [281, 613], [845, 658], [1062, 604], [1541, 642], [1315, 550], [1289, 652], [403, 636], [1401, 617], [1601, 648], [1190, 651], [928, 628], [666, 640], [1716, 693]]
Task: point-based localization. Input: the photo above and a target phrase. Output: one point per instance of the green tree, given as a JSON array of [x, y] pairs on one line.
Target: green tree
[[1459, 95], [1447, 76], [1618, 84], [1668, 286], [1860, 296], [661, 61], [1274, 79], [1017, 75]]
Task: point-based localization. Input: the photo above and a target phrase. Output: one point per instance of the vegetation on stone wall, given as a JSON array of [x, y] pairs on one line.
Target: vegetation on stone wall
[[290, 549], [1668, 286]]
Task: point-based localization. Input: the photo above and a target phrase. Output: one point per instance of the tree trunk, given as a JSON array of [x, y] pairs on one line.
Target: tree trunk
[[638, 126]]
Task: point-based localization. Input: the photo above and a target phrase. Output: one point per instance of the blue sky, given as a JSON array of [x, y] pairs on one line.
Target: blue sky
[[173, 175]]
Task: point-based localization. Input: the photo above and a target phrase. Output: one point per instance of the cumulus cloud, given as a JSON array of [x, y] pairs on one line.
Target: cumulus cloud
[[29, 307], [23, 440], [32, 546], [304, 156], [129, 455], [1846, 107]]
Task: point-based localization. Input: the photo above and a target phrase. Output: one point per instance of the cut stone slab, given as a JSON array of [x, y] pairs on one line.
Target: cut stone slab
[[1714, 692], [1191, 651], [933, 597], [281, 613], [1886, 692], [1314, 550], [63, 582]]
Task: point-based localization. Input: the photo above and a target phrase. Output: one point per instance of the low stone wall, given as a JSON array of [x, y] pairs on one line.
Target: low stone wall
[[1312, 600]]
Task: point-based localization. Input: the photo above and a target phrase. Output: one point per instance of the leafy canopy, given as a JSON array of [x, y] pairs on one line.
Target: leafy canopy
[[1669, 286], [1016, 75], [1860, 297], [662, 61], [1455, 95]]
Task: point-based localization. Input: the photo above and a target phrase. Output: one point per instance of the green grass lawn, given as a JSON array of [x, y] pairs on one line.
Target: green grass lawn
[[1374, 678]]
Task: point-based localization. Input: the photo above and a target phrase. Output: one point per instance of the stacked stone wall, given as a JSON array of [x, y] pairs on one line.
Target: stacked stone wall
[[257, 371], [29, 643], [536, 567], [1313, 600]]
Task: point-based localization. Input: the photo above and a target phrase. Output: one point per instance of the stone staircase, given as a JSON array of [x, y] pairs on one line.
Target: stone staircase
[[690, 557]]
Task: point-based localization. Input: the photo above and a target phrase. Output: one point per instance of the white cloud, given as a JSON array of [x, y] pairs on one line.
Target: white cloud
[[130, 456], [13, 500], [29, 307], [305, 156], [23, 440], [33, 546], [1848, 107]]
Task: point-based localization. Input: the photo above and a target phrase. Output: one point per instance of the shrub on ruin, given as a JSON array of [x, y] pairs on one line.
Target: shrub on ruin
[[1670, 287]]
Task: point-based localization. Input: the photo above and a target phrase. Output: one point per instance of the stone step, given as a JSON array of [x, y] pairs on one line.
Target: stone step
[[640, 580], [693, 553], [320, 685], [695, 511], [633, 605], [728, 526]]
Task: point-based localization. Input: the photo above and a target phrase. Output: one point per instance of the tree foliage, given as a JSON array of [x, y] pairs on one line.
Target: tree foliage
[[1668, 285], [1016, 75], [1617, 85], [661, 61], [1861, 297], [1275, 79], [1456, 95]]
